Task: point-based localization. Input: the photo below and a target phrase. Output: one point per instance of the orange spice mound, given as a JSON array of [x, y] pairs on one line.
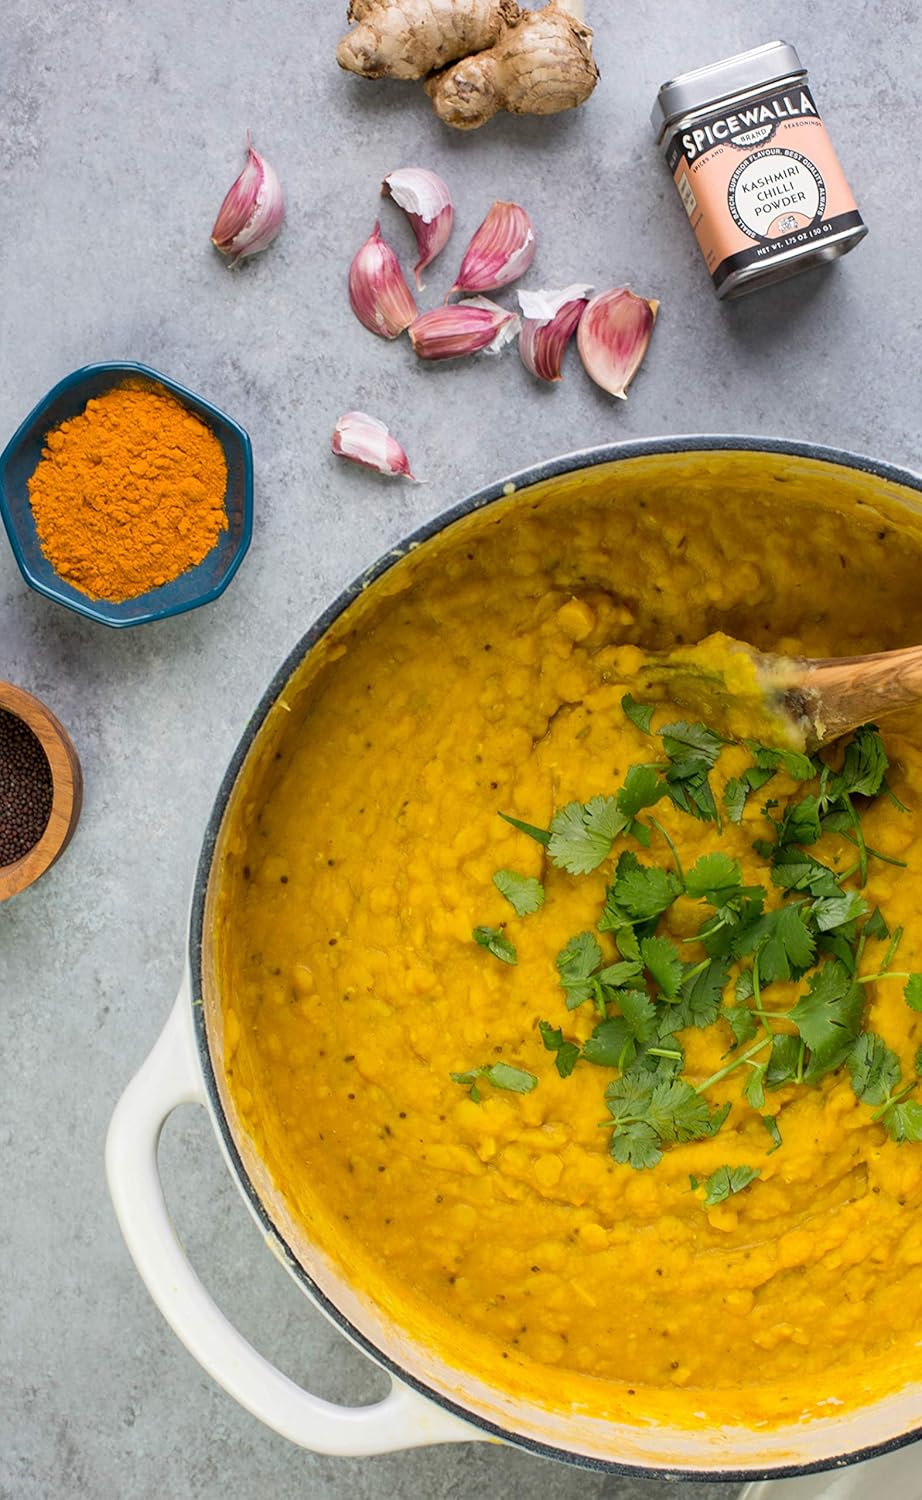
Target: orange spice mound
[[130, 494]]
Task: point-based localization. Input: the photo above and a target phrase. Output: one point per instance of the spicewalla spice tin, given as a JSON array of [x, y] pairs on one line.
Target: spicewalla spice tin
[[755, 169]]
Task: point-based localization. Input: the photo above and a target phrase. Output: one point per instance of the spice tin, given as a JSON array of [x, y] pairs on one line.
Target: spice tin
[[755, 169]]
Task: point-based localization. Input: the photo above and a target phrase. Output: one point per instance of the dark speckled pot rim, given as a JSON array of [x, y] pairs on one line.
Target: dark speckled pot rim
[[554, 468]]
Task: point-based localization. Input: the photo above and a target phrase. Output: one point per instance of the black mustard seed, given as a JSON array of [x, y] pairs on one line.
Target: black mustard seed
[[25, 788]]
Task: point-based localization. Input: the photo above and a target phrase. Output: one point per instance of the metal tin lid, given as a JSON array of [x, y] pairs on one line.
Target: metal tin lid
[[690, 91]]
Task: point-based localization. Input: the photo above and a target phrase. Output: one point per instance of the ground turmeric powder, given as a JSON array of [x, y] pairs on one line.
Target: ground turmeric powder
[[129, 494]]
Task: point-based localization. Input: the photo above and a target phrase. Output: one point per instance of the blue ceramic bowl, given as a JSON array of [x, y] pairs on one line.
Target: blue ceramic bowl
[[200, 584]]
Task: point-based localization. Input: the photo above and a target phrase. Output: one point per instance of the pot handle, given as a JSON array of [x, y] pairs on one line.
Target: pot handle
[[170, 1077]]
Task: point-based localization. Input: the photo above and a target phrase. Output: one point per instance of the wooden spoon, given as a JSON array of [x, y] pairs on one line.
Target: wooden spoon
[[799, 702]]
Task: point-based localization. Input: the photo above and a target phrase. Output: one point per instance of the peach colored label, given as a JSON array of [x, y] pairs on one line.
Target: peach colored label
[[760, 179]]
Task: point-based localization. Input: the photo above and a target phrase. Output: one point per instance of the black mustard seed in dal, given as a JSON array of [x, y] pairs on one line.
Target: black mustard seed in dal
[[25, 788]]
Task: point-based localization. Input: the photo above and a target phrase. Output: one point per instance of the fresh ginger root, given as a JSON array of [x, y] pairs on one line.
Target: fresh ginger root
[[541, 64], [529, 62], [411, 38]]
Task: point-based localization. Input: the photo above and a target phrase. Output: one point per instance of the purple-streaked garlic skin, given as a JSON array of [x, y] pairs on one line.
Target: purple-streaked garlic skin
[[501, 250], [367, 441], [378, 292], [613, 337], [549, 321], [252, 212], [473, 326], [426, 201]]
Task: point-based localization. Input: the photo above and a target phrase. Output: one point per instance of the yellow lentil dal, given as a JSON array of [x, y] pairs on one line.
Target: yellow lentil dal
[[489, 677]]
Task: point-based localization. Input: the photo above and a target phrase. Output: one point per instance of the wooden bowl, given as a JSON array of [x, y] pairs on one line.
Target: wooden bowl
[[67, 790]]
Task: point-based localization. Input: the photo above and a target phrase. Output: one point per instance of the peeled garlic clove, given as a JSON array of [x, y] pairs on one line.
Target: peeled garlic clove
[[378, 293], [502, 250], [549, 321], [252, 212], [366, 441], [427, 204], [613, 336], [467, 327]]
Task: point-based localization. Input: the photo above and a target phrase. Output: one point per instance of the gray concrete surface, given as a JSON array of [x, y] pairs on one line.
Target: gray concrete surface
[[121, 128]]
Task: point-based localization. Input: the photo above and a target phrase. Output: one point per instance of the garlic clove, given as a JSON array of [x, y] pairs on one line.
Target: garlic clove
[[427, 204], [378, 293], [549, 321], [252, 212], [473, 326], [613, 336], [367, 441], [502, 249]]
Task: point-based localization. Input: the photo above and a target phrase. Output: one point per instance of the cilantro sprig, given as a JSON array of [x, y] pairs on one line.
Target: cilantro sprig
[[804, 926], [501, 1075]]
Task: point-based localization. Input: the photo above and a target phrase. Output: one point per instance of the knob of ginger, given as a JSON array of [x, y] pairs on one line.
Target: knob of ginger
[[411, 38], [541, 64]]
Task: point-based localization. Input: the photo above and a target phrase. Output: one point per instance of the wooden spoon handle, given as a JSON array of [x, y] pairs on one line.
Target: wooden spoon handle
[[847, 691]]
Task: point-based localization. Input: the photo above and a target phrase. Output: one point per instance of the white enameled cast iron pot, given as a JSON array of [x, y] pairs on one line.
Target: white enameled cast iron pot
[[429, 1401]]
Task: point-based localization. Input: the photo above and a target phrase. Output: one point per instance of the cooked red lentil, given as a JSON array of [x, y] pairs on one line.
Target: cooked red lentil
[[489, 678]]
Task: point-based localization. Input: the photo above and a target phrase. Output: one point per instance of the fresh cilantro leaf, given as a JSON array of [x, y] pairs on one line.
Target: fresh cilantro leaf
[[616, 975], [643, 787], [912, 992], [795, 870], [567, 1053], [741, 1022], [667, 1110], [678, 1112], [875, 927], [744, 987], [576, 963], [739, 788], [754, 1087], [904, 1121], [828, 1018], [640, 714], [832, 912], [661, 959], [864, 767], [496, 943], [680, 738], [771, 1125], [725, 932], [801, 822], [839, 945], [540, 835], [611, 1044], [712, 876], [523, 892], [627, 941], [782, 940], [639, 1012], [700, 999], [551, 1036], [501, 1075], [875, 1069], [567, 1058], [516, 1080], [689, 788], [734, 798], [782, 1061], [726, 1181], [918, 1063], [643, 891], [636, 1145], [796, 765], [582, 834]]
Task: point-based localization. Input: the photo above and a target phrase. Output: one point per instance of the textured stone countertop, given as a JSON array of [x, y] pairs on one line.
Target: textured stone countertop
[[122, 126]]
